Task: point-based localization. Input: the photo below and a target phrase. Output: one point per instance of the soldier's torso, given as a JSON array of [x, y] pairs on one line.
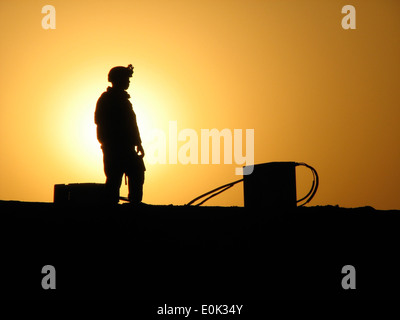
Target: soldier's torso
[[115, 118]]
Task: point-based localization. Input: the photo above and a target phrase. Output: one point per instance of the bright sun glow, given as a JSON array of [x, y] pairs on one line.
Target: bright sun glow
[[74, 141]]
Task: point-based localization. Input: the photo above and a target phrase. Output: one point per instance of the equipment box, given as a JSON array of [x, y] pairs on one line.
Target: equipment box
[[271, 185], [79, 193]]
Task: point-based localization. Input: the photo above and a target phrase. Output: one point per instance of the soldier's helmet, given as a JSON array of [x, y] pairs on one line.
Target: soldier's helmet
[[118, 73]]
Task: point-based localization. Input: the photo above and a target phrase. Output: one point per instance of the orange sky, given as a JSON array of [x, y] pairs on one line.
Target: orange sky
[[312, 91]]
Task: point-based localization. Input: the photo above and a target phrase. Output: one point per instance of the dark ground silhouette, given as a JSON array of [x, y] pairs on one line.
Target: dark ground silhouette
[[179, 252]]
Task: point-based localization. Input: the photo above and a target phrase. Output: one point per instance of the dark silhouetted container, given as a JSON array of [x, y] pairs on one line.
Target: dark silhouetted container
[[271, 185], [79, 193]]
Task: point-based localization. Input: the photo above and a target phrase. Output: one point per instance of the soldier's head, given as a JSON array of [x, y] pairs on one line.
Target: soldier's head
[[119, 76]]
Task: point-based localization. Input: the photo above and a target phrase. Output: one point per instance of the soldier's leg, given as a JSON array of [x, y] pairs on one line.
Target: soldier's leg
[[113, 184], [135, 184], [114, 173]]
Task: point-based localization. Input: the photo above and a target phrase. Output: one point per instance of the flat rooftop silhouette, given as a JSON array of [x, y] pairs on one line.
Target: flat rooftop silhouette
[[181, 252]]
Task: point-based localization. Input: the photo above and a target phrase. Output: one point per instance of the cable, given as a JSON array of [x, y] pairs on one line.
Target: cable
[[213, 195], [224, 187], [314, 186]]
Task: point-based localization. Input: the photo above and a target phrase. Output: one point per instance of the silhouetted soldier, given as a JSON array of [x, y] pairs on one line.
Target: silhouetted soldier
[[118, 133]]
